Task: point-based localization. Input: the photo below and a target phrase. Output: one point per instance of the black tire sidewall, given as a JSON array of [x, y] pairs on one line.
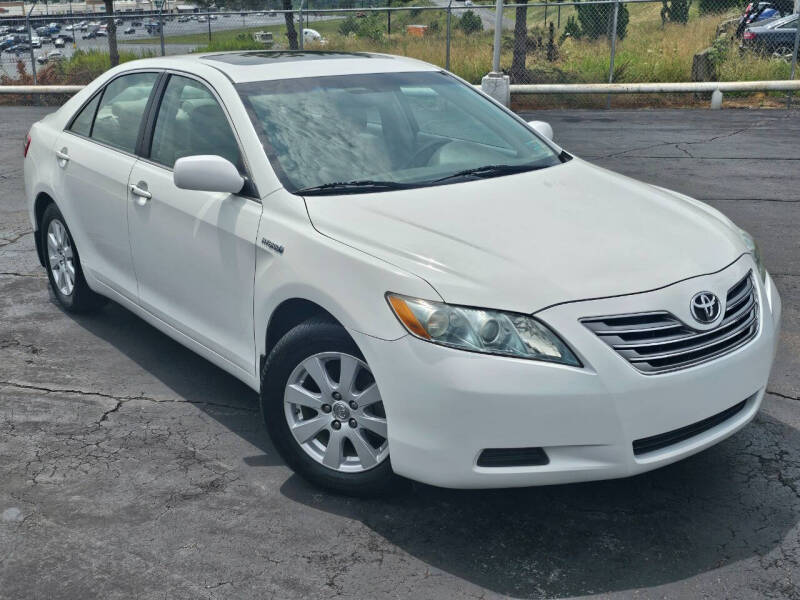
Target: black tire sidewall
[[304, 340]]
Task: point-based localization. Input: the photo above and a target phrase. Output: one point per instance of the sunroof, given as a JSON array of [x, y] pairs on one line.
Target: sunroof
[[264, 57]]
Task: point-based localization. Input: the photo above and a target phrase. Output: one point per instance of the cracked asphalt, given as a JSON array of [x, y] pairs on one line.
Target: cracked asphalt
[[132, 468]]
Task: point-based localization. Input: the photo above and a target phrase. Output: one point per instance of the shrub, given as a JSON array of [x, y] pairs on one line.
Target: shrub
[[370, 27], [571, 29], [596, 20], [678, 11], [470, 23], [348, 26]]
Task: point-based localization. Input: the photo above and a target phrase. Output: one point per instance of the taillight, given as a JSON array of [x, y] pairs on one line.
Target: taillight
[[748, 9], [27, 145], [748, 35]]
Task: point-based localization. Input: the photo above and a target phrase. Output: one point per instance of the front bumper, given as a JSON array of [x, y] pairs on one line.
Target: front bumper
[[445, 406]]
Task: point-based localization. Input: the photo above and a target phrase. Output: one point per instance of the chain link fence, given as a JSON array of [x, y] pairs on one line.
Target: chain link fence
[[592, 41]]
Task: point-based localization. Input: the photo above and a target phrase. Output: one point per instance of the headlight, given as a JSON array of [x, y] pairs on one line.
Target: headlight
[[481, 330], [752, 248]]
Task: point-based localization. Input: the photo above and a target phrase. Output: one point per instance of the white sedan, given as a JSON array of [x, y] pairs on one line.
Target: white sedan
[[417, 282]]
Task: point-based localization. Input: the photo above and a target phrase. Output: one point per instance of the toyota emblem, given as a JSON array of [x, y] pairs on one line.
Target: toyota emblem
[[705, 307]]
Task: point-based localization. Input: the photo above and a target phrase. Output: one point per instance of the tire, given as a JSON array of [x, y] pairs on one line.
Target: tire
[[322, 344], [64, 266]]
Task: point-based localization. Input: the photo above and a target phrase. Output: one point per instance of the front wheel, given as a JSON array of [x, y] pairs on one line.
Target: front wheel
[[324, 412]]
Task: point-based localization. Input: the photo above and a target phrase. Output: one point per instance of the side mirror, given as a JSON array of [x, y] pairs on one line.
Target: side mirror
[[207, 173], [542, 127]]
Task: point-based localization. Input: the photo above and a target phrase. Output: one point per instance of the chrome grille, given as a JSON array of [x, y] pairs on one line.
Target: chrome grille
[[658, 342]]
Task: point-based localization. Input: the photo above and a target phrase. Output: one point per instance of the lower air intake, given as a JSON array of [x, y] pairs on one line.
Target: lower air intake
[[513, 457], [664, 440]]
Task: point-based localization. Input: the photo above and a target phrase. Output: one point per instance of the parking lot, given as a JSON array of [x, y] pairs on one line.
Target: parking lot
[[130, 467]]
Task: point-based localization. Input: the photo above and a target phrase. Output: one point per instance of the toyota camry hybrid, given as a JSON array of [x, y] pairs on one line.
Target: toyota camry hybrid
[[418, 283]]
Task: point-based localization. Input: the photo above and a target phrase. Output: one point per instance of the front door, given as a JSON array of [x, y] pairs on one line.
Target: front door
[[193, 251]]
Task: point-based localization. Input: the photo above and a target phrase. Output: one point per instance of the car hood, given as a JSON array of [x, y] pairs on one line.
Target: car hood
[[528, 241]]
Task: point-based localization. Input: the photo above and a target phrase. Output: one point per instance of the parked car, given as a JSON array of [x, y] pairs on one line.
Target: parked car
[[36, 42], [19, 48], [102, 33], [59, 42], [136, 23], [427, 286], [89, 35], [759, 12], [774, 37], [183, 19], [66, 37], [4, 29], [129, 31], [53, 55]]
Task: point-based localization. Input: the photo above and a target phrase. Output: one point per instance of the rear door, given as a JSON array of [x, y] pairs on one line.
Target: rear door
[[96, 153], [194, 251]]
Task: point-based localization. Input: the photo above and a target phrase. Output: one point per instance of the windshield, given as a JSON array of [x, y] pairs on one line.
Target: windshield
[[354, 133]]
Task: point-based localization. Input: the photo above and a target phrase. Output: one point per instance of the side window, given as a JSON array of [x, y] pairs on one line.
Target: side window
[[121, 109], [82, 124], [191, 122]]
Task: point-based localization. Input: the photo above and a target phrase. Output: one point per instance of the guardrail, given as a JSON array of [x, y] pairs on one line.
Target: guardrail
[[658, 88], [40, 89], [545, 88]]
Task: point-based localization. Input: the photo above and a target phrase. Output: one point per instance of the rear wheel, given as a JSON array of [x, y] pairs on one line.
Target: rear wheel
[[64, 266], [324, 412]]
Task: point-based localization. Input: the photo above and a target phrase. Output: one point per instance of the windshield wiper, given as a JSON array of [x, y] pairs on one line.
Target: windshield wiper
[[489, 171], [352, 187]]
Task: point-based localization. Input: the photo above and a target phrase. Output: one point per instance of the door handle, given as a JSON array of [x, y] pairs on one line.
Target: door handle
[[142, 195], [62, 157]]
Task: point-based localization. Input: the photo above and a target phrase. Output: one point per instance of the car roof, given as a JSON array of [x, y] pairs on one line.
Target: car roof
[[260, 65]]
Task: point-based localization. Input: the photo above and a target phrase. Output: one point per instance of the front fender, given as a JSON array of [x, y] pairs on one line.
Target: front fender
[[345, 281]]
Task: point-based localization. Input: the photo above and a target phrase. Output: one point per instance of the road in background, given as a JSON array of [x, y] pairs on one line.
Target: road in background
[[131, 467]]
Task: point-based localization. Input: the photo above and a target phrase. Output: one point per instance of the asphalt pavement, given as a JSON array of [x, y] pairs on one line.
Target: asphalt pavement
[[130, 467]]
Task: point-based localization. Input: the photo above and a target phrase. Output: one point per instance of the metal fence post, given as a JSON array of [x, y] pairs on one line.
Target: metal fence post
[[613, 50], [447, 53], [161, 28], [208, 19], [498, 36], [30, 44], [794, 58]]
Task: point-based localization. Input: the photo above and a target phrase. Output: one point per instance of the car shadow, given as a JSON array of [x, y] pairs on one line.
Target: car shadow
[[724, 505], [192, 378]]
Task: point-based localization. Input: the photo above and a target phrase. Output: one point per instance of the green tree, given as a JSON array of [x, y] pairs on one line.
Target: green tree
[[470, 23]]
